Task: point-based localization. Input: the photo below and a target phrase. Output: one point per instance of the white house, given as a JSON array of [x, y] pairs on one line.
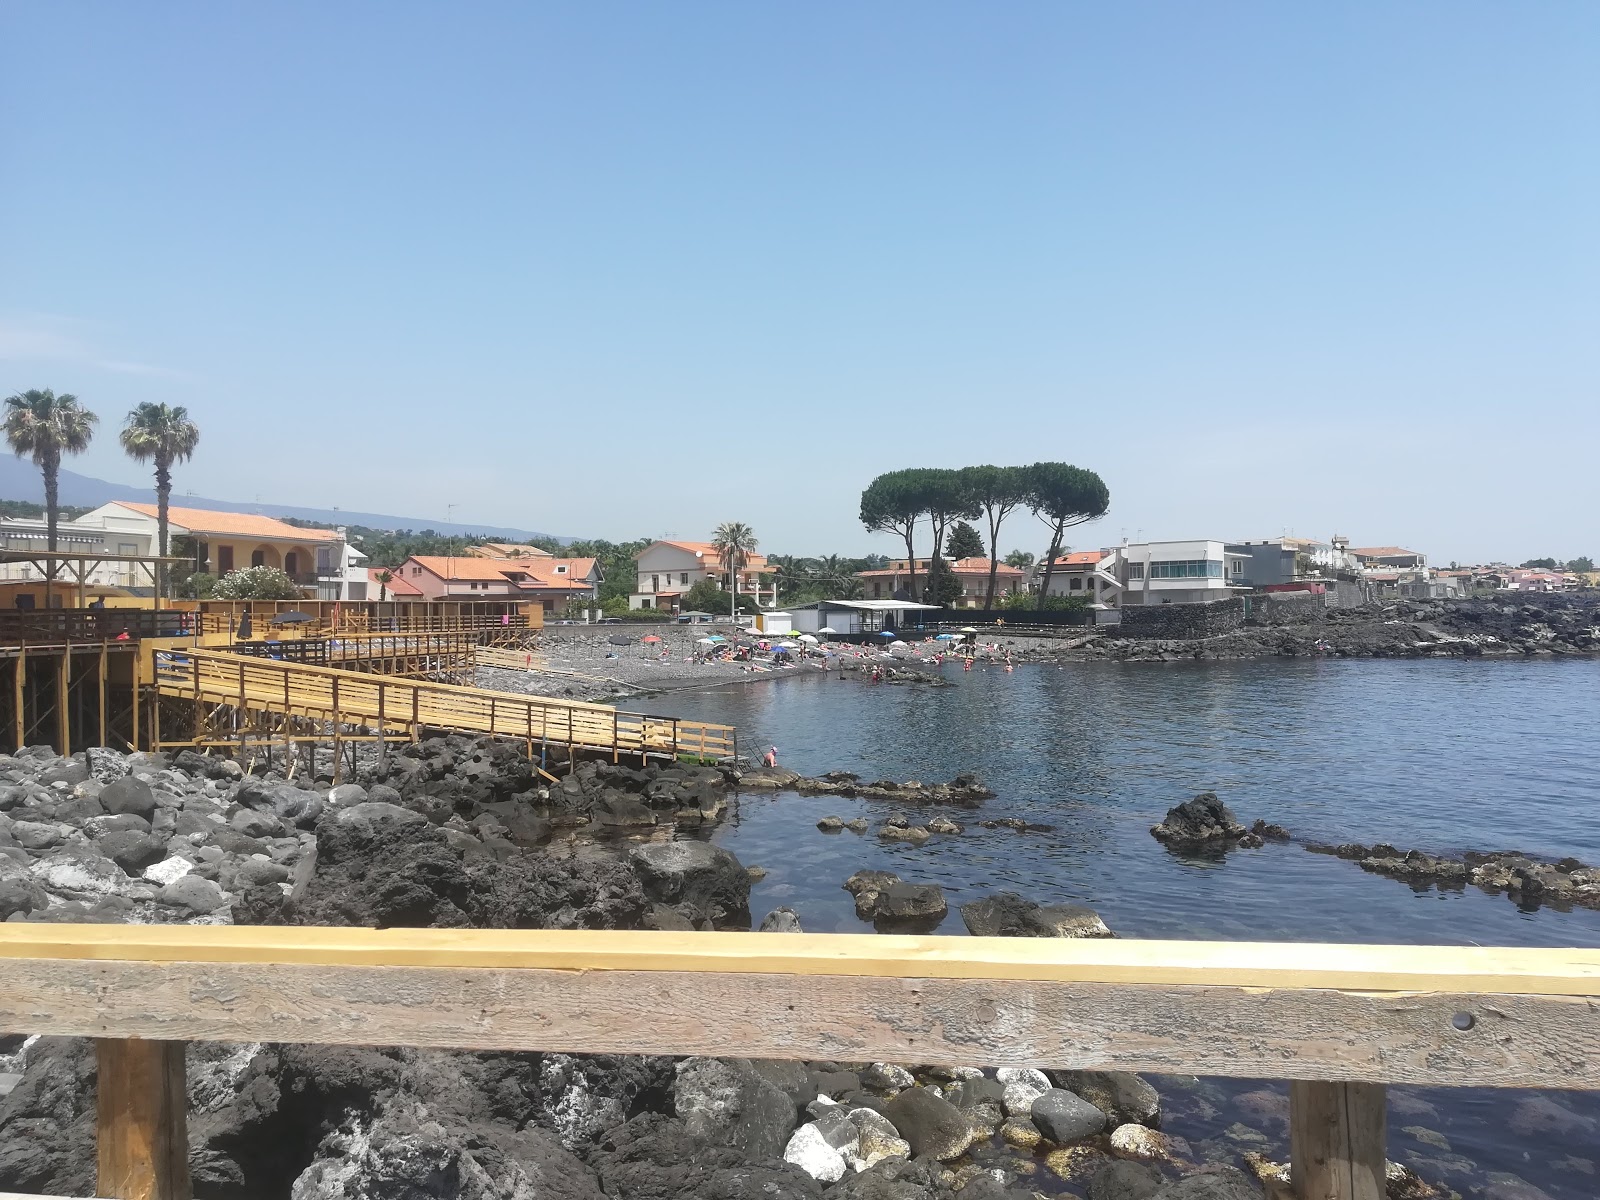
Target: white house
[[1090, 574], [859, 616], [78, 537], [668, 569], [1190, 572]]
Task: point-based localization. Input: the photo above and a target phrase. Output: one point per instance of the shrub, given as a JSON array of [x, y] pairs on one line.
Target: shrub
[[256, 583]]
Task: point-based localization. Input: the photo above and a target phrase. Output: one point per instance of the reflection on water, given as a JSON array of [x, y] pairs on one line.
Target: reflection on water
[[1436, 755]]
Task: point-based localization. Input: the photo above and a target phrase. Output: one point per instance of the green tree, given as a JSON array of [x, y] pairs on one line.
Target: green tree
[[947, 497], [384, 577], [45, 426], [1020, 559], [198, 585], [894, 503], [163, 435], [1062, 496], [1583, 564], [999, 492], [964, 542], [256, 583], [1541, 564], [734, 542]]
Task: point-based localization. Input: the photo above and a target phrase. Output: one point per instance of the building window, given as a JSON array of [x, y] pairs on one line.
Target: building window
[[683, 578], [1135, 570], [416, 570], [291, 563], [224, 559], [655, 583], [1076, 584], [1196, 568], [561, 570], [258, 558], [1238, 566]]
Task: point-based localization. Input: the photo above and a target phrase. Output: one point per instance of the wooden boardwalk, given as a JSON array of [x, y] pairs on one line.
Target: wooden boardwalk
[[1338, 1022], [221, 683]]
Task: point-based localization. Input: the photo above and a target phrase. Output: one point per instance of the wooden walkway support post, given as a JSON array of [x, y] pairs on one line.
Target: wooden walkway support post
[[142, 1109], [1336, 1140]]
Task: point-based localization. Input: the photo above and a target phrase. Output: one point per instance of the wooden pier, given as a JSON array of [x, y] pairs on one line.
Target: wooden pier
[[1338, 1021], [235, 699]]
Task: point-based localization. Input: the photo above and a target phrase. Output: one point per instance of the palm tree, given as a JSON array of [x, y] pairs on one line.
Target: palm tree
[[733, 541], [45, 426], [385, 577], [154, 431]]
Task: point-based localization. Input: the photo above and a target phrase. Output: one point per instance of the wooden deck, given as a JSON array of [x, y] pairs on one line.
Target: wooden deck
[[1338, 1022], [393, 707]]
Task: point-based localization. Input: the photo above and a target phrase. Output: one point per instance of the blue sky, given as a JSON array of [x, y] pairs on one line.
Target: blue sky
[[628, 270]]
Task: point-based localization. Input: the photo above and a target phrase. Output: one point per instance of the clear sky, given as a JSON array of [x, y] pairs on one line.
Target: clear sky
[[632, 269]]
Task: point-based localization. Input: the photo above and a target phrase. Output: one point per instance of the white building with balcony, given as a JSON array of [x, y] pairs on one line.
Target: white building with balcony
[[1188, 572], [668, 569]]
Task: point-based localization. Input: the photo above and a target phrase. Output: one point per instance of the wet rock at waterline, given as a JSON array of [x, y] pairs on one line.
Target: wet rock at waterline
[[1530, 882], [1006, 914]]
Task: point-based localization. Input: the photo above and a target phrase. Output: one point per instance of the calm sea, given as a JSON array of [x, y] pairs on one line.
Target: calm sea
[[1436, 755]]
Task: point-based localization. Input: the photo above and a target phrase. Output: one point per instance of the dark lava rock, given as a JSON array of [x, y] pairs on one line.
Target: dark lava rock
[[1201, 821], [933, 1126], [21, 895], [902, 905], [47, 1123], [1006, 914], [727, 1102], [1222, 1183], [781, 920], [131, 850], [1064, 1117], [1121, 1095], [707, 878], [128, 795], [1125, 1181], [654, 1157]]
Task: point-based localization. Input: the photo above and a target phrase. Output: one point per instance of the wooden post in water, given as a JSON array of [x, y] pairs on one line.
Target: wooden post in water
[[142, 1109], [1336, 1140]]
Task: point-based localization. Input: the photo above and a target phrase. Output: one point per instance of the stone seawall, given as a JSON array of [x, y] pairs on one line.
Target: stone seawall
[[1182, 620]]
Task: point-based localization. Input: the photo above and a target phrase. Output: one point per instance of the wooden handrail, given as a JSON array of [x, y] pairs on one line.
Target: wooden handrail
[[1339, 1021]]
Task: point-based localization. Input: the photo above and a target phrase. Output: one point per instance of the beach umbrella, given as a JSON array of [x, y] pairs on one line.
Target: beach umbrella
[[717, 637], [945, 637], [827, 629], [807, 639], [620, 639], [707, 641], [650, 638], [780, 649], [968, 629], [292, 618], [785, 646], [889, 633]]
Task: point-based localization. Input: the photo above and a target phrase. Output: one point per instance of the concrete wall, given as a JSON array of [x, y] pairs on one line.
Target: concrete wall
[[1183, 620]]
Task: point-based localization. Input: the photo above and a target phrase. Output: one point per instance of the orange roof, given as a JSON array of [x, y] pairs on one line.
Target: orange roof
[[396, 585], [468, 567], [1381, 551], [226, 524], [544, 571], [1080, 558], [753, 562], [507, 550]]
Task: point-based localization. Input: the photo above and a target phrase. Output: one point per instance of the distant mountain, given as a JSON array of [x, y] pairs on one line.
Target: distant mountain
[[19, 480]]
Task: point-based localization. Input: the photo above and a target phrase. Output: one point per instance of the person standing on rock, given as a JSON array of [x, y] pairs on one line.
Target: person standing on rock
[[771, 757]]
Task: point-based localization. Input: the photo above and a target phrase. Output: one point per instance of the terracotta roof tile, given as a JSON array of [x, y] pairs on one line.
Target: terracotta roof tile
[[226, 524]]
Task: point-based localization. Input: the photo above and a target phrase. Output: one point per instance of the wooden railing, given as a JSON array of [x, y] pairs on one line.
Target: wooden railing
[[1339, 1022], [403, 707], [58, 626]]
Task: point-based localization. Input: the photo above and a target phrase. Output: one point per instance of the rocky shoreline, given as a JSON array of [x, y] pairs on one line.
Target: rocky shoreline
[[459, 834], [456, 833]]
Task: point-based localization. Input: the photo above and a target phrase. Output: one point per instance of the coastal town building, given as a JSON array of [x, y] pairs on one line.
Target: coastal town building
[[31, 534], [1392, 558], [315, 559], [552, 582], [1180, 572], [853, 618], [507, 550], [1089, 574], [667, 569], [894, 581]]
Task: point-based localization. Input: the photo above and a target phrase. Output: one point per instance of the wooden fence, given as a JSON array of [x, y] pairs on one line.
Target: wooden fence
[[1337, 1021], [397, 707]]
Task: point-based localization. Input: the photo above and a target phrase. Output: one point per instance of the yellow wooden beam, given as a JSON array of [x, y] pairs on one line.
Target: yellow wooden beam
[[1538, 971]]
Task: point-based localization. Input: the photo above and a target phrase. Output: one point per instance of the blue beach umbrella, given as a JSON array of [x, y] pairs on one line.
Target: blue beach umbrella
[[889, 633]]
